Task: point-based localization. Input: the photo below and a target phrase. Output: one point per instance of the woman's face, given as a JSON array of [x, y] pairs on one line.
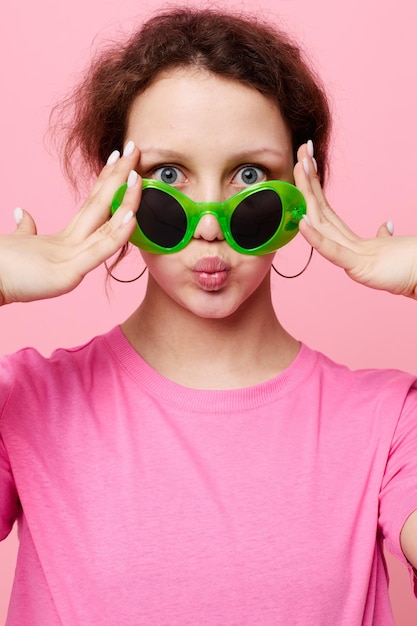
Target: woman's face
[[210, 137]]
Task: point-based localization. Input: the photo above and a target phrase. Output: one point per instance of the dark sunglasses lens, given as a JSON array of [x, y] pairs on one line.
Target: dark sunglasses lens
[[161, 218], [256, 219]]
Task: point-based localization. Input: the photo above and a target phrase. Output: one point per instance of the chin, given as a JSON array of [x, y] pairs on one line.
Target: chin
[[217, 311]]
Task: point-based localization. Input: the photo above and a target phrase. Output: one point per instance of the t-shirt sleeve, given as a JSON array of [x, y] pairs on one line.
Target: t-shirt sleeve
[[398, 496], [9, 500]]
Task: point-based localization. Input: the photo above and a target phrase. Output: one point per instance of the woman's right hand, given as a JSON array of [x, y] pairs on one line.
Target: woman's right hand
[[34, 267]]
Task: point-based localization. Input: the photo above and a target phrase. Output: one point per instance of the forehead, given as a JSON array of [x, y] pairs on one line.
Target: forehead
[[197, 107]]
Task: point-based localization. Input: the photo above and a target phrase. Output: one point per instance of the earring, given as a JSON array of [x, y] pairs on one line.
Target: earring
[[120, 280], [299, 273]]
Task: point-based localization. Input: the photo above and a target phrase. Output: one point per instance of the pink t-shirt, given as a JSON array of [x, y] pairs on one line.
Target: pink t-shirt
[[141, 502]]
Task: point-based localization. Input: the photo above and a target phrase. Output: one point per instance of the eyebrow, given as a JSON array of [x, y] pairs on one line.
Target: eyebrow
[[161, 153], [242, 155]]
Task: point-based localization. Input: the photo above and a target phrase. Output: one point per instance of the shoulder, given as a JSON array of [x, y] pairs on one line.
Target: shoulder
[[383, 391], [368, 378], [29, 374]]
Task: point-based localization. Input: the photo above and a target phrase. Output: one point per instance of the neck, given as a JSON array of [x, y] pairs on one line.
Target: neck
[[243, 349]]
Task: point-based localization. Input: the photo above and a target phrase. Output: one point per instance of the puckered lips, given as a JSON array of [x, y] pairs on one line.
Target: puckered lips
[[211, 273]]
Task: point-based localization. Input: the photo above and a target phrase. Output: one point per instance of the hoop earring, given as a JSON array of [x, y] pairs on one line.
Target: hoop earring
[[120, 280], [299, 273]]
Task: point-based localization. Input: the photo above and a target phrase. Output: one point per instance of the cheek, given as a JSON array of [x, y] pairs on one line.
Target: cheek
[[163, 267], [260, 264], [154, 261], [250, 273]]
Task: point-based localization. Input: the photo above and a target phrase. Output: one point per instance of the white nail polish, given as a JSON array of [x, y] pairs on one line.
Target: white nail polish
[[390, 227], [306, 166], [132, 178], [127, 218], [310, 148], [18, 215], [315, 164], [307, 219], [129, 148], [113, 157]]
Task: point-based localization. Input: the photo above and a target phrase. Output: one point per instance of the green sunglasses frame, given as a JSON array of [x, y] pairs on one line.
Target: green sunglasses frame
[[293, 209]]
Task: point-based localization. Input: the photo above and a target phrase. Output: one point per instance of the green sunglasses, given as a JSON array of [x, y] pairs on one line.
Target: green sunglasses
[[257, 220]]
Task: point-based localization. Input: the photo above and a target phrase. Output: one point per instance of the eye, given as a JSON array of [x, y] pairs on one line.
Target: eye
[[249, 175], [168, 174]]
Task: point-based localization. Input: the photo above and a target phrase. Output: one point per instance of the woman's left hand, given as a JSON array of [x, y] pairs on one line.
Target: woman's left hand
[[382, 262]]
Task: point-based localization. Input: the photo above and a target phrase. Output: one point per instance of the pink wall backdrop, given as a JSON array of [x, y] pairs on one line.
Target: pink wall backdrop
[[365, 52]]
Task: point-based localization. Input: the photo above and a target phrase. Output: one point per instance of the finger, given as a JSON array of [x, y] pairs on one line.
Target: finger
[[115, 232], [385, 230], [306, 178], [113, 162], [95, 210], [25, 223], [105, 242], [318, 208], [329, 248]]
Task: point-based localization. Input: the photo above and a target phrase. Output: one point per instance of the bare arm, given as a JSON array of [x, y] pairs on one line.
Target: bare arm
[[409, 539]]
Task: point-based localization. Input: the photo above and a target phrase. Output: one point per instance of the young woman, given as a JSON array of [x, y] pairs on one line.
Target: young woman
[[197, 465]]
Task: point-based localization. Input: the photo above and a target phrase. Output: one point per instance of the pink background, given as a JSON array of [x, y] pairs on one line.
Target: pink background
[[365, 52]]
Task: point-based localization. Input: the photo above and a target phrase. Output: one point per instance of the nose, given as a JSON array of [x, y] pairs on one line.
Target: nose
[[208, 228]]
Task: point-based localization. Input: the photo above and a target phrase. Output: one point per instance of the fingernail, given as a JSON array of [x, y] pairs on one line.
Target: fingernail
[[307, 219], [129, 148], [18, 215], [390, 227], [315, 164], [306, 166], [127, 218], [132, 178], [310, 148], [113, 157]]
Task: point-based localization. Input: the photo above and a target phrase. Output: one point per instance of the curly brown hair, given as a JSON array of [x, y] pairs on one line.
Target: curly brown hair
[[234, 46]]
